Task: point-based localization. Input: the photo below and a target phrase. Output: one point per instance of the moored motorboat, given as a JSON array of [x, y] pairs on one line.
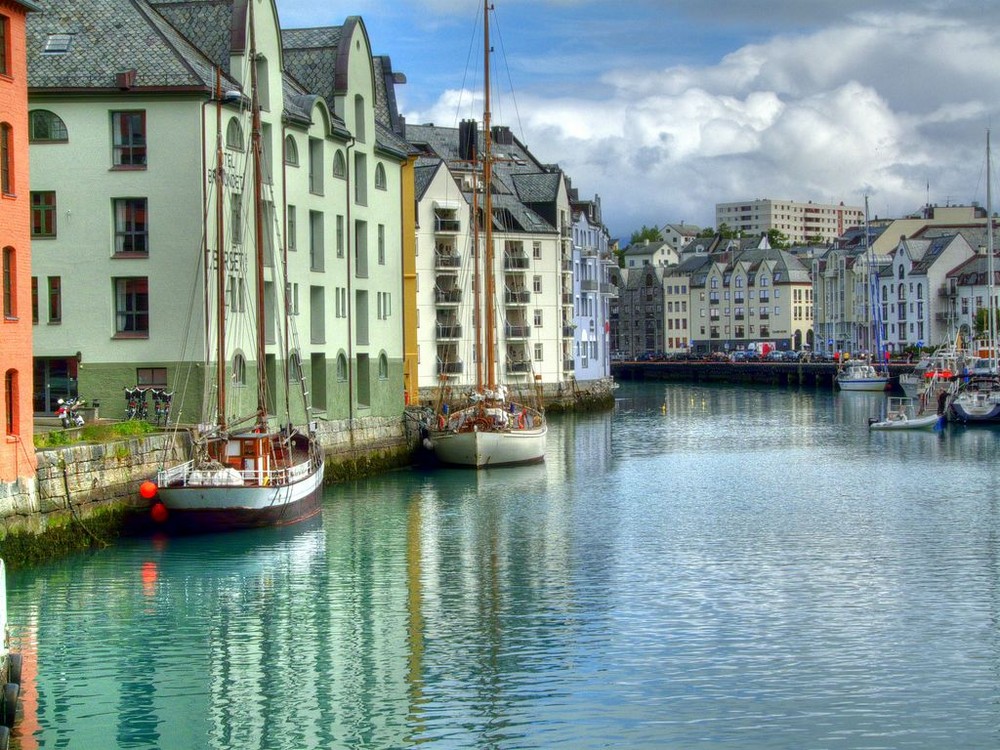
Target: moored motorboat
[[861, 376], [904, 414]]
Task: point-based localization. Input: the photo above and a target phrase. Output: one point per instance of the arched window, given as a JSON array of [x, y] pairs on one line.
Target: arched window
[[380, 177], [6, 159], [920, 291], [341, 367], [900, 272], [359, 118], [239, 370], [339, 165], [263, 90], [383, 367], [291, 152], [9, 284], [234, 135], [11, 425], [763, 280], [45, 126]]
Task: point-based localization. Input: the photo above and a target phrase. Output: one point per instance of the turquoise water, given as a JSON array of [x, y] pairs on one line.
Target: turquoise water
[[703, 567]]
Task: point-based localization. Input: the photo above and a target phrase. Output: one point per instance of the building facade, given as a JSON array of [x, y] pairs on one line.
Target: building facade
[[141, 131], [17, 451], [801, 223], [592, 293]]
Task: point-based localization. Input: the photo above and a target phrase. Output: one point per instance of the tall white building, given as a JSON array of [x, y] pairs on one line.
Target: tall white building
[[801, 223]]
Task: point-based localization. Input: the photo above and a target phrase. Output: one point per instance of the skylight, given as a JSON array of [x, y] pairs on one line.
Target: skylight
[[57, 44]]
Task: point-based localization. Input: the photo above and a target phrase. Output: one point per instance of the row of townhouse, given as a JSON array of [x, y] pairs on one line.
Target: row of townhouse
[[17, 455], [918, 281], [371, 217], [727, 298]]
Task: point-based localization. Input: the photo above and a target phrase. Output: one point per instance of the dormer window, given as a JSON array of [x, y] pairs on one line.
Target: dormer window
[[57, 44]]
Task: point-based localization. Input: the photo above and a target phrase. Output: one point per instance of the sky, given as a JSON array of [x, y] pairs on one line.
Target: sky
[[664, 108]]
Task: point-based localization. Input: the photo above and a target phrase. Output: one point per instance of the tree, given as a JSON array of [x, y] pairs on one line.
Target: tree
[[982, 322], [646, 233], [777, 239]]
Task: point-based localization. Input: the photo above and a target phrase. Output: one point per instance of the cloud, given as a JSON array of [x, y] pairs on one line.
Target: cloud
[[881, 102]]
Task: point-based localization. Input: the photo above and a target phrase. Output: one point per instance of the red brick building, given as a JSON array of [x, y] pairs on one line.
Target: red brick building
[[17, 453]]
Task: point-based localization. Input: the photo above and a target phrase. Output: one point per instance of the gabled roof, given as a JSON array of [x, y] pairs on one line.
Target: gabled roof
[[536, 187], [110, 37]]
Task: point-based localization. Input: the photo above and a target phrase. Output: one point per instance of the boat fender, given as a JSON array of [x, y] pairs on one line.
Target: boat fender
[[441, 421], [520, 420], [4, 738], [10, 693]]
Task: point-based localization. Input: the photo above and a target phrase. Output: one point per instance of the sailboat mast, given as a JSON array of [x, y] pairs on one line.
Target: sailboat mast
[[991, 316], [477, 284], [220, 266], [258, 179], [490, 313]]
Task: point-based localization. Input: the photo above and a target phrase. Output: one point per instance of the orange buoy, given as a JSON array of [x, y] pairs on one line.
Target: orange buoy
[[148, 489]]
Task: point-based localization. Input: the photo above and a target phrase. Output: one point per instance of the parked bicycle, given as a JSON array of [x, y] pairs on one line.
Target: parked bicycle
[[135, 403], [161, 405]]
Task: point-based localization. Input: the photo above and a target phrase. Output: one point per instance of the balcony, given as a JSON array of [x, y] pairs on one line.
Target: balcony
[[447, 261], [447, 296], [450, 368], [518, 366], [765, 316], [447, 226], [946, 291], [568, 330], [516, 297], [588, 285], [516, 262], [517, 331], [714, 317], [449, 331], [567, 299], [608, 289], [739, 316], [569, 365], [566, 265], [942, 317]]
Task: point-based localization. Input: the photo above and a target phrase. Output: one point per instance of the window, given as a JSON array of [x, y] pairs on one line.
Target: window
[[536, 250], [131, 227], [55, 299], [9, 284], [239, 370], [340, 236], [43, 213], [380, 183], [381, 244], [341, 367], [45, 126], [132, 306], [291, 230], [359, 118], [151, 377], [34, 299], [536, 284], [360, 179], [538, 318], [383, 367], [10, 402], [4, 46], [128, 137], [236, 218], [339, 165], [234, 135], [538, 352], [57, 44], [291, 152], [6, 155]]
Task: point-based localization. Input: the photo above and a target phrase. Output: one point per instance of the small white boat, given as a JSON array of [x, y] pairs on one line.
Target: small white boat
[[861, 376], [902, 414]]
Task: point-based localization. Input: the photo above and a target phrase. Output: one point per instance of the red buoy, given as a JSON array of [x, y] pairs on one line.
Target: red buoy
[[158, 512], [148, 489]]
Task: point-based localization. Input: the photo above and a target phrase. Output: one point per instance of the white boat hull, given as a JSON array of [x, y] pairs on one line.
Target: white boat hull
[[863, 384], [924, 422], [202, 506], [481, 449], [976, 406]]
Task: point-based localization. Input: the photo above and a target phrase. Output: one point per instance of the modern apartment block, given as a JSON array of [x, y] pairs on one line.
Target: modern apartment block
[[801, 223], [592, 292], [139, 139], [17, 452]]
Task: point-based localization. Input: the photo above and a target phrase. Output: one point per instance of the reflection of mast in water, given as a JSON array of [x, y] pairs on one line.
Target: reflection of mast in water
[[415, 624]]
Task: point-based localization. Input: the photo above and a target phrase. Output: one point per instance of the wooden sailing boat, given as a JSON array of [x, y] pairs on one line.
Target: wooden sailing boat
[[490, 428], [244, 473], [978, 398]]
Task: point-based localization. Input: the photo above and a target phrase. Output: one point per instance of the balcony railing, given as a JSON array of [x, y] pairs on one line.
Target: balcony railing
[[447, 260], [515, 262], [765, 316], [567, 331], [517, 331], [569, 365], [566, 265], [448, 296], [450, 368], [449, 331], [447, 226], [518, 365], [588, 285], [516, 297], [567, 299]]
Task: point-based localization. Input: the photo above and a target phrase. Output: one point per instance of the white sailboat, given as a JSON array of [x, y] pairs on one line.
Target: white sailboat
[[244, 472], [489, 428], [977, 399], [863, 375]]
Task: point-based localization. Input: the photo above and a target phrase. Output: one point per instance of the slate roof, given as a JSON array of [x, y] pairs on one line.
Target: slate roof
[[206, 24], [311, 56], [110, 37]]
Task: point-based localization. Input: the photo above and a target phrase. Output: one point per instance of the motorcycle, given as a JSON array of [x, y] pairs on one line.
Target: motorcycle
[[69, 412]]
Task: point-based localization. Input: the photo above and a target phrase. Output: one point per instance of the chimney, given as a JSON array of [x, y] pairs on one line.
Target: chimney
[[468, 137], [125, 79]]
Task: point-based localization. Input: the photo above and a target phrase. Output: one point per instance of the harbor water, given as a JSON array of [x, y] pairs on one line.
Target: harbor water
[[704, 566]]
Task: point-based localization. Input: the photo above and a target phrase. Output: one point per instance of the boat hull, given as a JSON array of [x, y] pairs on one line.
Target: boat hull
[[198, 508], [863, 384], [926, 422], [972, 410], [486, 448]]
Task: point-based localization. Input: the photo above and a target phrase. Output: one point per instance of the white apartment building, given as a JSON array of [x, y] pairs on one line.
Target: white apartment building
[[801, 223], [592, 292]]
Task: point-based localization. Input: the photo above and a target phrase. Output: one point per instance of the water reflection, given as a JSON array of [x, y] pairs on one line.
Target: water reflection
[[704, 566]]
